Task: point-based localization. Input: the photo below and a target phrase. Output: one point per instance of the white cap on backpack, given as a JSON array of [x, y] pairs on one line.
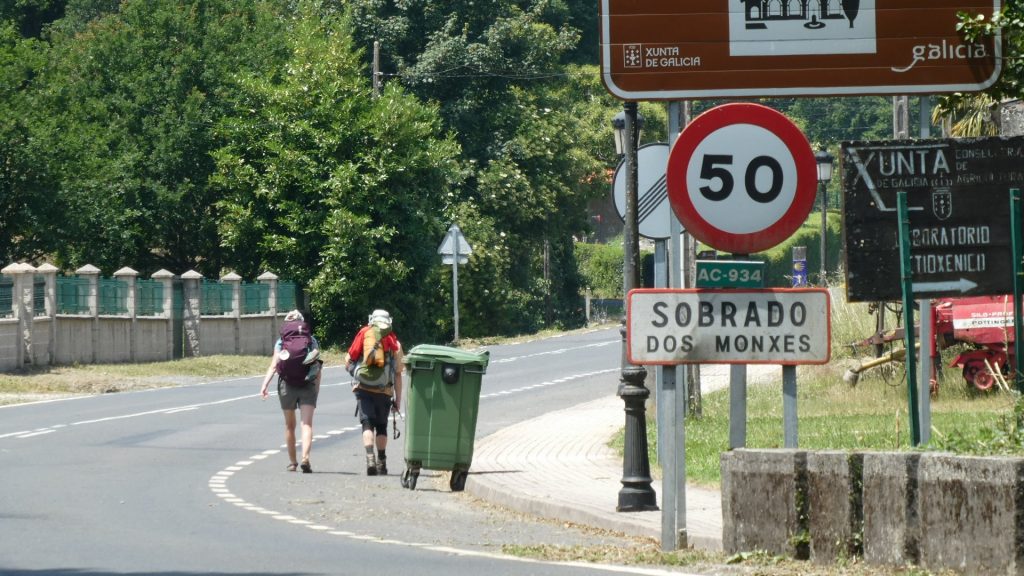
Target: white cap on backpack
[[380, 317], [294, 315]]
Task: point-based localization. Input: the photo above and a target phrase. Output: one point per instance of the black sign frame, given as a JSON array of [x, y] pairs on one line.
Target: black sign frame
[[959, 212]]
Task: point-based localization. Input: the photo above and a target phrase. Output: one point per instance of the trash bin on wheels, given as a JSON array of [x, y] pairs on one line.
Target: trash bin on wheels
[[442, 398]]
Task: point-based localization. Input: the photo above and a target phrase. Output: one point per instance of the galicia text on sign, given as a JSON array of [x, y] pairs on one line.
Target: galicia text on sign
[[676, 50], [766, 326]]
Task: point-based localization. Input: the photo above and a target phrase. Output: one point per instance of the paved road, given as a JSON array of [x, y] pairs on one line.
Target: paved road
[[191, 480]]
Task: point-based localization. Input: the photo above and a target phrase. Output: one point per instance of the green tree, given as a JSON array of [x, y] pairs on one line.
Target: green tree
[[975, 114], [131, 103], [24, 185], [339, 190], [498, 71]]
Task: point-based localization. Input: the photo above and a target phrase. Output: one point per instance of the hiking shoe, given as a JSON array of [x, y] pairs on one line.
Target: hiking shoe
[[371, 466], [382, 467]]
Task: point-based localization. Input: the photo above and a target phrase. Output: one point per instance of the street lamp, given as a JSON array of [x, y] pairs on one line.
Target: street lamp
[[636, 493], [824, 161], [619, 125]]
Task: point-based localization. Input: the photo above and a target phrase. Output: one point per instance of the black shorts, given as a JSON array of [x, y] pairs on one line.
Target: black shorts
[[375, 409]]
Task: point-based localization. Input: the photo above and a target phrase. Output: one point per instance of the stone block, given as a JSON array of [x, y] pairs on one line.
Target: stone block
[[763, 492], [834, 511], [971, 514], [891, 528]]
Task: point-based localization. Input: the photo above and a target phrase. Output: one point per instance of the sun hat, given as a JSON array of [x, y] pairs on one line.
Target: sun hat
[[294, 315], [380, 318]]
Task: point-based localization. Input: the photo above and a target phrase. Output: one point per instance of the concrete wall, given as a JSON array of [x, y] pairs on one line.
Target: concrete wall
[[75, 340], [891, 526], [834, 510], [9, 342], [940, 511], [972, 514], [217, 335], [152, 339], [253, 331], [758, 485], [32, 337]]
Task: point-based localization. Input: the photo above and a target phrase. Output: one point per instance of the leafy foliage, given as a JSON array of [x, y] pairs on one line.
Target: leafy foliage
[[334, 188]]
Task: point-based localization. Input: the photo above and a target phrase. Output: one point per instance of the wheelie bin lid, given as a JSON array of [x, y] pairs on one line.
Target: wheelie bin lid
[[432, 352]]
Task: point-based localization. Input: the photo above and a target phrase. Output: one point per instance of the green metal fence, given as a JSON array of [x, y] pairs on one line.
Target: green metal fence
[[6, 298], [72, 295], [215, 298], [255, 298], [39, 295], [113, 296], [149, 298], [287, 296]]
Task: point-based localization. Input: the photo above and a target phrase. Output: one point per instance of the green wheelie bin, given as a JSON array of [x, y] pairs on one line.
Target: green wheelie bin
[[442, 398]]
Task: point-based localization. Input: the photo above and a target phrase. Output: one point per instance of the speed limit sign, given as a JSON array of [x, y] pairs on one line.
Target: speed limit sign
[[741, 178]]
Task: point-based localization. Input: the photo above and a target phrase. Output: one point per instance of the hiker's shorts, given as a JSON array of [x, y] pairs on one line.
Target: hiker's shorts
[[292, 397], [375, 409]]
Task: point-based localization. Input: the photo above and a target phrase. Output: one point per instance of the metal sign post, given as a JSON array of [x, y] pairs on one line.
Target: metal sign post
[[1018, 282], [907, 278], [455, 250]]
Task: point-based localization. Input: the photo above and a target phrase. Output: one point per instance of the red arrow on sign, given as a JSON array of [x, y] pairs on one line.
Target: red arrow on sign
[[741, 178]]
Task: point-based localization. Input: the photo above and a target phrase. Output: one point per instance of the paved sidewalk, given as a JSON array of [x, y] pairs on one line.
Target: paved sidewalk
[[559, 466]]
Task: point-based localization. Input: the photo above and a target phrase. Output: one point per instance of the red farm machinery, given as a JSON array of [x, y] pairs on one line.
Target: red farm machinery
[[983, 323]]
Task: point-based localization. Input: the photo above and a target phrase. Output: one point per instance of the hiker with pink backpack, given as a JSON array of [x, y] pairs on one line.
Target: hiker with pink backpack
[[296, 361]]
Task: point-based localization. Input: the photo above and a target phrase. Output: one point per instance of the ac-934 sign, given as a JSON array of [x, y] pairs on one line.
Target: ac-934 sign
[[741, 178]]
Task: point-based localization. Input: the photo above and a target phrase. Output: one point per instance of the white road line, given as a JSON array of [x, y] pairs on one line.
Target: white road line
[[555, 352], [221, 477]]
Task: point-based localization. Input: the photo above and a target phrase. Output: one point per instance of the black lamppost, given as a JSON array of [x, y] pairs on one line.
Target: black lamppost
[[636, 493], [824, 160]]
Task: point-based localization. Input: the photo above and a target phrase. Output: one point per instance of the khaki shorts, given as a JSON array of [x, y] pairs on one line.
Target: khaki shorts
[[292, 397]]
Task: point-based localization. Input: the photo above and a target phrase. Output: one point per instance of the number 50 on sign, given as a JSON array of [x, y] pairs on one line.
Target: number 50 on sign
[[741, 178]]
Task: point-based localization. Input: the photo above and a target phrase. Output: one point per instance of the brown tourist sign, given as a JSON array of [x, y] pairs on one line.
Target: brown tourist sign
[[684, 49]]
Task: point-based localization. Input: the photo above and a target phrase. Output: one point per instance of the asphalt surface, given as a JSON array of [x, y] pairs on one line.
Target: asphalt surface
[[556, 471]]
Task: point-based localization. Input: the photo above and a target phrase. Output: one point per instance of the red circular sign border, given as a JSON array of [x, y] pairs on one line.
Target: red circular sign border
[[727, 115]]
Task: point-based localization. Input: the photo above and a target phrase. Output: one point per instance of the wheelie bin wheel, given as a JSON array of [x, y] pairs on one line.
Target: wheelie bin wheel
[[458, 480], [409, 478]]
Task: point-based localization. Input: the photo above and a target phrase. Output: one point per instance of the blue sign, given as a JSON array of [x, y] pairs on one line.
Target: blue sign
[[799, 273]]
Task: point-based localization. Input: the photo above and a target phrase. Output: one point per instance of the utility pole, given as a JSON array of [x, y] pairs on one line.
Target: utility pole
[[376, 68]]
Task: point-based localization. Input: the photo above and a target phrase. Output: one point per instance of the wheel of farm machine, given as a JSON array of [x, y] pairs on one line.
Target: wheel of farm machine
[[977, 375]]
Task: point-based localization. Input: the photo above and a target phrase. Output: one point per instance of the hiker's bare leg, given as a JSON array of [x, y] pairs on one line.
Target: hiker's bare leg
[[306, 412], [289, 434], [382, 442]]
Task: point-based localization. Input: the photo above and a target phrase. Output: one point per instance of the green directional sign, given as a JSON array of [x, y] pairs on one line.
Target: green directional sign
[[730, 274]]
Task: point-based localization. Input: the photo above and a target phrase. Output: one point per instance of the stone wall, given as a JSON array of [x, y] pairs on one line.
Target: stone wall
[[47, 337], [936, 510]]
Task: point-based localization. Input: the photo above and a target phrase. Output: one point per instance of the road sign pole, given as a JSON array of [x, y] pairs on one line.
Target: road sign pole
[[738, 398], [789, 422], [455, 289], [672, 402], [1018, 282], [906, 277]]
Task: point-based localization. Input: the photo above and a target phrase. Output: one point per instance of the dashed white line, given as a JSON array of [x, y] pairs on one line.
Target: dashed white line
[[217, 485]]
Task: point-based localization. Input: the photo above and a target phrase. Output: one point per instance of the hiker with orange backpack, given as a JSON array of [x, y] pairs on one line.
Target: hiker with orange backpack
[[374, 360], [297, 363]]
